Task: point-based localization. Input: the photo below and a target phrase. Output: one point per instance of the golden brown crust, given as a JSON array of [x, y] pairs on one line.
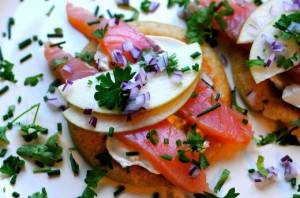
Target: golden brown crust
[[263, 97], [89, 143]]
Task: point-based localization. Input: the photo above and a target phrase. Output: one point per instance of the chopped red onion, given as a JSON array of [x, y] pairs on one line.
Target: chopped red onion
[[68, 82], [134, 93], [141, 77], [67, 68], [291, 7], [194, 171], [127, 46], [87, 111], [135, 53], [129, 85], [114, 21], [154, 5], [261, 180], [270, 60], [294, 27], [56, 104], [148, 58], [161, 63], [276, 46], [138, 103], [177, 76], [123, 2], [241, 3], [290, 168], [119, 58], [92, 120]]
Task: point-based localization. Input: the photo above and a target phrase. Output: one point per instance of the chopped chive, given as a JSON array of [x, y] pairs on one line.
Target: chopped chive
[[185, 69], [294, 123], [11, 22], [74, 165], [195, 95], [40, 42], [245, 121], [166, 157], [178, 143], [222, 180], [13, 179], [212, 87], [235, 105], [57, 44], [3, 152], [96, 11], [1, 55], [59, 127], [293, 181], [93, 22], [153, 136], [128, 169], [35, 38], [298, 190], [50, 11], [25, 43], [45, 98], [166, 140], [111, 131], [25, 58], [155, 195], [15, 194], [252, 170], [55, 35], [55, 172], [209, 109], [19, 99], [42, 170], [5, 117], [132, 153], [196, 67], [54, 84], [119, 190], [195, 55], [4, 34], [4, 89], [217, 96]]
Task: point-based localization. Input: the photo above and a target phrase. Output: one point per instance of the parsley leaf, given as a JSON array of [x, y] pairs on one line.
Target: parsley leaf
[[94, 176], [181, 3], [230, 194], [33, 80], [172, 64], [260, 166], [256, 62], [99, 33], [12, 166], [286, 63], [287, 24], [31, 131], [54, 84], [281, 136], [109, 94], [6, 72], [85, 56], [199, 25], [3, 138], [195, 140], [88, 193], [42, 194], [47, 154]]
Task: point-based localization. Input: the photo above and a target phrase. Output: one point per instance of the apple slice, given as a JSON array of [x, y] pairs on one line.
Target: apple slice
[[260, 48], [261, 17], [161, 88], [138, 120]]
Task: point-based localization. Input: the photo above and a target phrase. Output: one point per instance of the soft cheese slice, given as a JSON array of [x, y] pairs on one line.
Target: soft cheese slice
[[291, 94], [262, 49], [261, 17], [161, 88], [120, 122]]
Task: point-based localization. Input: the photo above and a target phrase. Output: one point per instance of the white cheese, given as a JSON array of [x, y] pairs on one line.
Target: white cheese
[[118, 150], [291, 94]]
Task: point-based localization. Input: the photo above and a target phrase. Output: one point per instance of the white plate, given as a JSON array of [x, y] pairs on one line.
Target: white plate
[[30, 19]]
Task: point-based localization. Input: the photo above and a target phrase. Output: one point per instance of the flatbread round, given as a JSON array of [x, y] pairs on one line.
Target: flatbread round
[[89, 143]]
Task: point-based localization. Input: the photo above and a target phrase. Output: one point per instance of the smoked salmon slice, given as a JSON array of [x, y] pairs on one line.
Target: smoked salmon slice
[[222, 123], [242, 10], [174, 171], [71, 69], [116, 34]]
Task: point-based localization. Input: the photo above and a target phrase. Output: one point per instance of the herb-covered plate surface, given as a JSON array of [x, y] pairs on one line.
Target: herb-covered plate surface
[[25, 85]]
